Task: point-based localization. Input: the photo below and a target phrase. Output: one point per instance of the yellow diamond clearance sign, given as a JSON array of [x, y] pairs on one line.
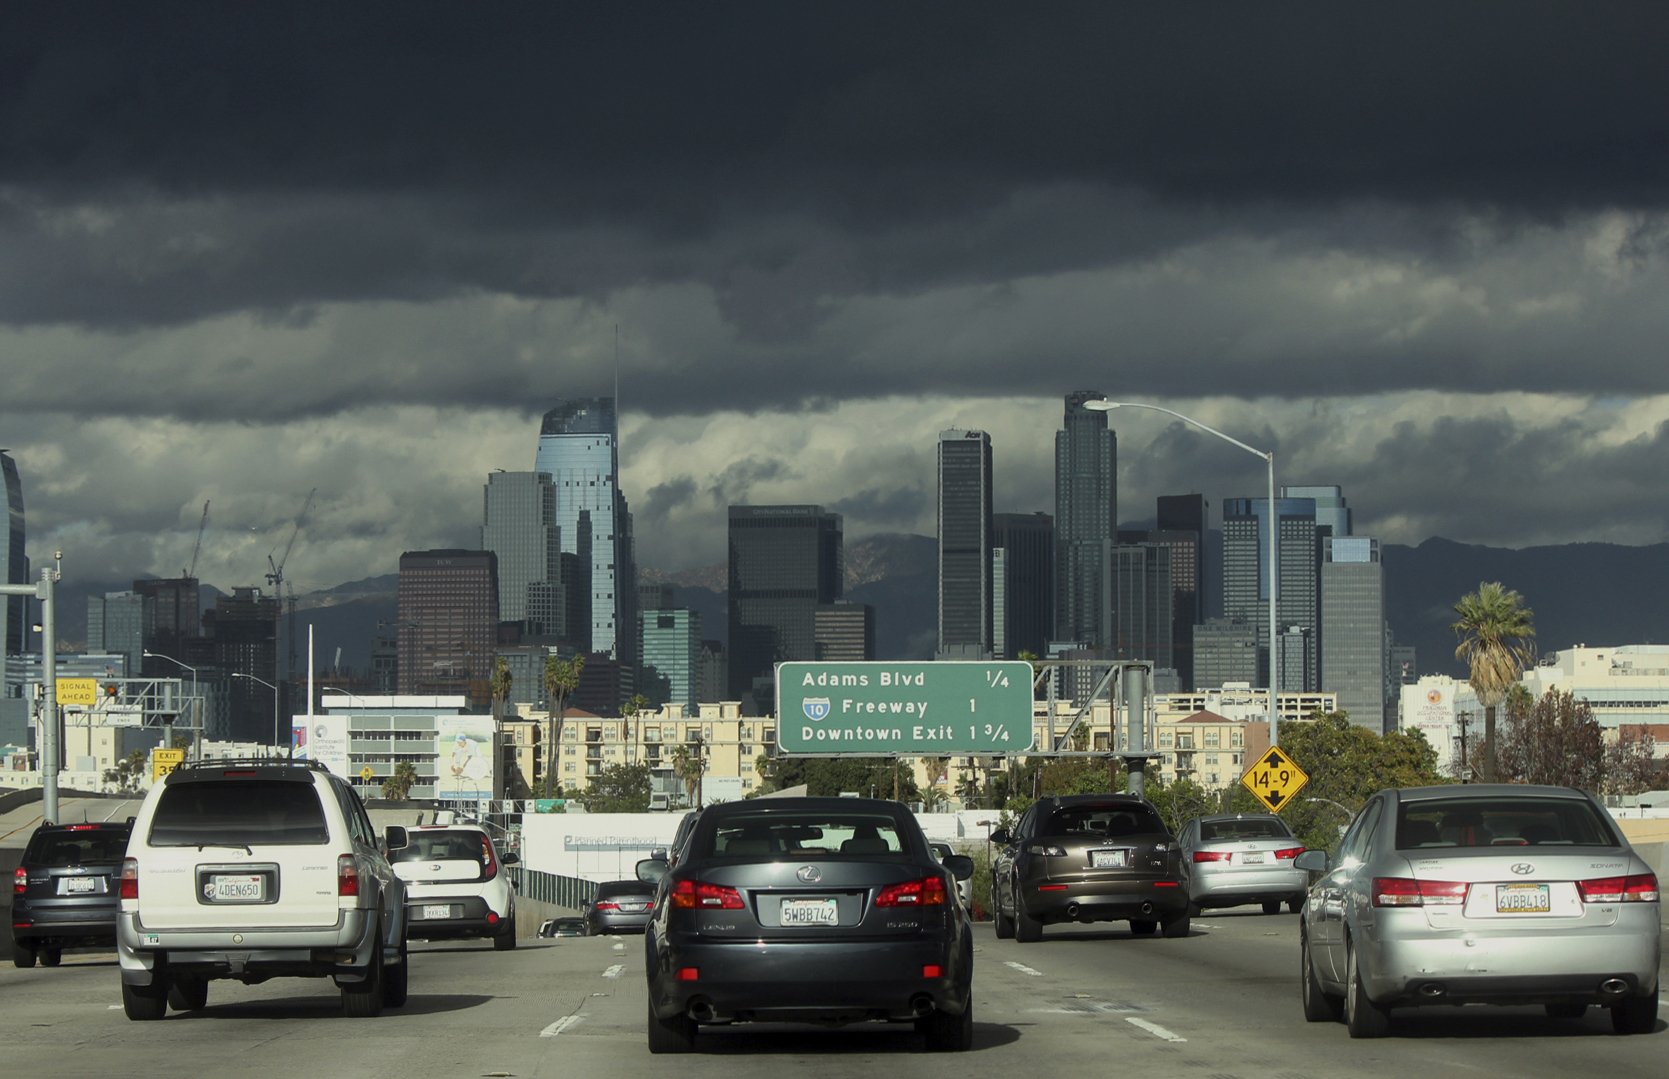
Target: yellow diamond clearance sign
[[1274, 779]]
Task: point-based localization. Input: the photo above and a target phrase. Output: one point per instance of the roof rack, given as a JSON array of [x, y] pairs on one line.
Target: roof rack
[[246, 762]]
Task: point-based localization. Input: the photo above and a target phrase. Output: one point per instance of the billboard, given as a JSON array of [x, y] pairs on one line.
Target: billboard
[[323, 739], [463, 757]]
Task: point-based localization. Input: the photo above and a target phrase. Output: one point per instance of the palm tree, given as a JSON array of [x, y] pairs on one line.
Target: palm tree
[[562, 677], [688, 766], [499, 683], [1495, 630], [636, 705]]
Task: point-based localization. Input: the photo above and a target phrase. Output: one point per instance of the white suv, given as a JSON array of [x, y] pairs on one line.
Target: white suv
[[456, 884], [255, 869]]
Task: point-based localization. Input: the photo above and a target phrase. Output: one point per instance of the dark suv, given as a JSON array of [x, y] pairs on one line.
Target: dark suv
[[64, 891], [1088, 858]]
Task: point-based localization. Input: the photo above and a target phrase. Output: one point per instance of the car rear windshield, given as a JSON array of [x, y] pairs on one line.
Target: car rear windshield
[[808, 835], [611, 888], [1105, 820], [1502, 822], [240, 814], [61, 847], [1266, 828], [459, 846]]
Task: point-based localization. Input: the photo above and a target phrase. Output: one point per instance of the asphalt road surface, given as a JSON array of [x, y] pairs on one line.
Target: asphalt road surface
[[1089, 1001]]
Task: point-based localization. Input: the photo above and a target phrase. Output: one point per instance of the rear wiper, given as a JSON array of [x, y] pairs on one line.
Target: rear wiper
[[234, 846]]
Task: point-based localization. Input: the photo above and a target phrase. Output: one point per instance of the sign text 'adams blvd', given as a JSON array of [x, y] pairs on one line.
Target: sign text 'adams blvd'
[[914, 709]]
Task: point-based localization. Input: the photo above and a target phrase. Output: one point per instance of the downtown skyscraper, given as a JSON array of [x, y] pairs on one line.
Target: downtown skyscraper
[[965, 541], [519, 526], [579, 448], [1246, 581], [785, 563], [14, 610], [1086, 523]]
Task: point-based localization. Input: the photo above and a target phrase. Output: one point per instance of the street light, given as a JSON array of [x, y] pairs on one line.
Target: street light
[[269, 685], [1269, 459], [197, 736]]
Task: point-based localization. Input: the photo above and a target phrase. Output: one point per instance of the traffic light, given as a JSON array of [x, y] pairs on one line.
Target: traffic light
[[112, 690]]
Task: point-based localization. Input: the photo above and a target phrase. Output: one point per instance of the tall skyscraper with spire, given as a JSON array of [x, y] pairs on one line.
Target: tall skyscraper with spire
[[14, 610], [579, 448], [1086, 523]]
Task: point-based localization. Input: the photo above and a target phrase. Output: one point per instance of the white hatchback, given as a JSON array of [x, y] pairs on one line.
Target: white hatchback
[[456, 884]]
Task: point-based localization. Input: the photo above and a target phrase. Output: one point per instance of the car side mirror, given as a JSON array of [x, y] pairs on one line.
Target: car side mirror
[[999, 836], [960, 865], [511, 858], [651, 870], [395, 837], [1313, 860]]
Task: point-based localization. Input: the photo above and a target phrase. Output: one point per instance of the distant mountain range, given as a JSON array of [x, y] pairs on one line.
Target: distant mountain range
[[1583, 593]]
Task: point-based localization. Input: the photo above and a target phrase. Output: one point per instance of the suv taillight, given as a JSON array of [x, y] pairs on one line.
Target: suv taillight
[[489, 863], [127, 887], [347, 875], [926, 892], [20, 881]]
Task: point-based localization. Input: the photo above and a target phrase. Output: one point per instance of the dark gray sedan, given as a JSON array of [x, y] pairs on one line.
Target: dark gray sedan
[[1480, 894], [827, 910]]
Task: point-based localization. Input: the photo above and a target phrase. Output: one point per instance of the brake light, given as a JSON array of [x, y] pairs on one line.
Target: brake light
[[347, 875], [20, 881], [1408, 892], [926, 892], [1639, 888], [606, 906], [127, 886], [1288, 854], [1212, 856], [489, 862], [699, 895], [81, 828], [239, 773]]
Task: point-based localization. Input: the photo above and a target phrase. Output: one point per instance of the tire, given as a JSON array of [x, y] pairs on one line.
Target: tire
[[1272, 906], [363, 999], [1176, 925], [1002, 924], [396, 980], [1194, 910], [143, 1003], [948, 1033], [187, 994], [1565, 1011], [1142, 927], [1636, 1015], [1318, 1006], [1295, 905], [51, 957], [1362, 1017], [675, 1035], [1027, 930], [505, 941], [23, 955]]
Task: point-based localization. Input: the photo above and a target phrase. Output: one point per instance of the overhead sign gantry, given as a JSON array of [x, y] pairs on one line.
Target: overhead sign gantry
[[909, 709]]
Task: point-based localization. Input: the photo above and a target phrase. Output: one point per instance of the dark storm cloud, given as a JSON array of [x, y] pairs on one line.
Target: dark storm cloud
[[405, 151]]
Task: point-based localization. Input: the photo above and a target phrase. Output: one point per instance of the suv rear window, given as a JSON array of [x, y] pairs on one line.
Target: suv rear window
[[459, 846], [1107, 820], [249, 812], [65, 847]]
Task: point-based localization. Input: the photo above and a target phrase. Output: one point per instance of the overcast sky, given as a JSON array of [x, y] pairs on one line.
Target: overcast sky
[[1420, 251]]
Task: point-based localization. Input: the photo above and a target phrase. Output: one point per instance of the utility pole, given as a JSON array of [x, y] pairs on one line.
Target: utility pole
[[51, 744]]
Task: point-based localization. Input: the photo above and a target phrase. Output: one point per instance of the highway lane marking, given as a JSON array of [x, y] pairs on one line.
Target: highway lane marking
[[1154, 1028], [1023, 969], [615, 971], [559, 1026]]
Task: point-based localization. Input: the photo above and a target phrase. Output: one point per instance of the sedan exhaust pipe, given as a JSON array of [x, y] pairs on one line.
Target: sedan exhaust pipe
[[701, 1011], [1613, 987]]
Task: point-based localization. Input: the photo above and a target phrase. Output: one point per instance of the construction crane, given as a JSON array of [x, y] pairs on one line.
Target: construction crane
[[197, 548], [276, 577]]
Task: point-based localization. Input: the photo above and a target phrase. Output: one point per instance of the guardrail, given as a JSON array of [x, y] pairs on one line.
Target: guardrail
[[571, 892]]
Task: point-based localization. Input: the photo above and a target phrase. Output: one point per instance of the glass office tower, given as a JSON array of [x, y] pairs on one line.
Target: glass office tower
[[785, 561], [1086, 522], [965, 628]]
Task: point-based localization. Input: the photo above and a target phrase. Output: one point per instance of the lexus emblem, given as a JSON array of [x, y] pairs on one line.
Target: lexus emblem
[[809, 874], [1523, 869]]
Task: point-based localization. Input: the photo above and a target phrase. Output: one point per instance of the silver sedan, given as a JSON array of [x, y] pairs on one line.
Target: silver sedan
[[1482, 894], [1242, 858]]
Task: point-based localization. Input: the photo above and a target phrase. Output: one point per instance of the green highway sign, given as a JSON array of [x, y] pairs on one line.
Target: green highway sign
[[913, 709]]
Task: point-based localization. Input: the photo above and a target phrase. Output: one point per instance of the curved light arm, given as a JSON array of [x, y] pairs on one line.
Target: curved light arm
[[1108, 406], [252, 678]]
